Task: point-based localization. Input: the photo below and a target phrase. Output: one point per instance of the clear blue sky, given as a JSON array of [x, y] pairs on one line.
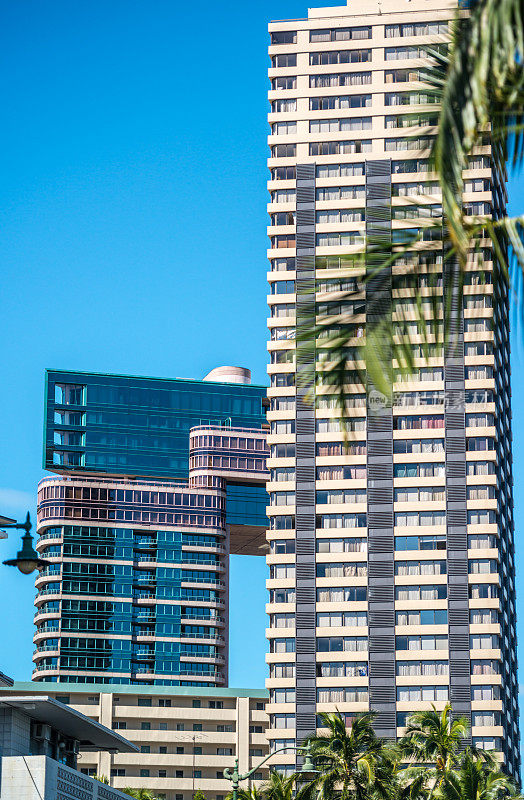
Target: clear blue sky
[[132, 239]]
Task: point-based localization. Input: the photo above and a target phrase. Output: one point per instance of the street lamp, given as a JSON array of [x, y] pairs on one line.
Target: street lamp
[[307, 770], [27, 559]]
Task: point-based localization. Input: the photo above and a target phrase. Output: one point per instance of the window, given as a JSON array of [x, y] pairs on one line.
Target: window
[[421, 642], [145, 726], [283, 150], [422, 668], [424, 592], [163, 750], [197, 726], [344, 101], [197, 703], [342, 694], [179, 726], [284, 60], [282, 720], [342, 570], [216, 704], [256, 729], [278, 106], [179, 773], [420, 568], [259, 706], [283, 37], [144, 701], [119, 725], [339, 644], [340, 148], [69, 394], [416, 29], [342, 669], [118, 773], [340, 34], [144, 773], [145, 748], [338, 79], [338, 619], [164, 702], [428, 616], [339, 57], [283, 546], [422, 693], [162, 773], [224, 751], [282, 645]]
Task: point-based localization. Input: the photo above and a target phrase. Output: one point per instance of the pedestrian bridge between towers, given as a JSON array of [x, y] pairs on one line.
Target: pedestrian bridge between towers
[[221, 457]]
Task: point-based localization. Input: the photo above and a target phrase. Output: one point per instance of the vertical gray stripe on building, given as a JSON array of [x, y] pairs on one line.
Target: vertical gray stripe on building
[[381, 543], [305, 678], [456, 511]]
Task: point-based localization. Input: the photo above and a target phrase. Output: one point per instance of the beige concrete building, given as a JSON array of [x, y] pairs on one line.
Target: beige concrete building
[[186, 736], [392, 559]]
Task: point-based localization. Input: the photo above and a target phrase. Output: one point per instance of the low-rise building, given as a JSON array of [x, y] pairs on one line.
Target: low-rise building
[[40, 740], [185, 736]]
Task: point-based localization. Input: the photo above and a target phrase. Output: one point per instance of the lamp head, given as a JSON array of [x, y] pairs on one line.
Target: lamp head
[[308, 770], [27, 559]]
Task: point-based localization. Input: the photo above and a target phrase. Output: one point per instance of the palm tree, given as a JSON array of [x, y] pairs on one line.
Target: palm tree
[[278, 787], [350, 760], [140, 794], [433, 736], [101, 779], [475, 779], [253, 793]]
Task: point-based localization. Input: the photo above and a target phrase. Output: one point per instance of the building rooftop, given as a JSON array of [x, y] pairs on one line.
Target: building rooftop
[[90, 734], [82, 688]]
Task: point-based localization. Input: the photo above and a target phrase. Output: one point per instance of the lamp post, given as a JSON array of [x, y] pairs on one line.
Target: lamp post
[[307, 770], [27, 559]]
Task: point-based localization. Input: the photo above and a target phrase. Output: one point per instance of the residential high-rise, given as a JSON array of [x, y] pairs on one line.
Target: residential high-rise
[[137, 587], [391, 558]]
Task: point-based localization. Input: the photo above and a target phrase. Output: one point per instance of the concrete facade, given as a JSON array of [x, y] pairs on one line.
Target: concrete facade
[[186, 736], [391, 542]]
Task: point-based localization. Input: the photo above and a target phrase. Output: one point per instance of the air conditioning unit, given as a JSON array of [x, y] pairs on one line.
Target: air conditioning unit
[[41, 732]]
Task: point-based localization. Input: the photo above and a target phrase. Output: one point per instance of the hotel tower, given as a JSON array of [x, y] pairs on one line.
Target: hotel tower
[[391, 554]]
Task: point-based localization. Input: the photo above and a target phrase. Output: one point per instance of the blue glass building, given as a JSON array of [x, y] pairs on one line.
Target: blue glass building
[[159, 482]]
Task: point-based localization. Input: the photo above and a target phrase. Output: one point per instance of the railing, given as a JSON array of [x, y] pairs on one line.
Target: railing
[[227, 428], [203, 619], [194, 543], [53, 535], [45, 573], [203, 580], [134, 482]]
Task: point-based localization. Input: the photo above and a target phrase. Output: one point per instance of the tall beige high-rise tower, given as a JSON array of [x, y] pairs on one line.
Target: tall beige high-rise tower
[[392, 560]]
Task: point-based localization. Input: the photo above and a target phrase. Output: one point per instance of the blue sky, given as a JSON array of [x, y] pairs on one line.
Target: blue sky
[[133, 197]]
